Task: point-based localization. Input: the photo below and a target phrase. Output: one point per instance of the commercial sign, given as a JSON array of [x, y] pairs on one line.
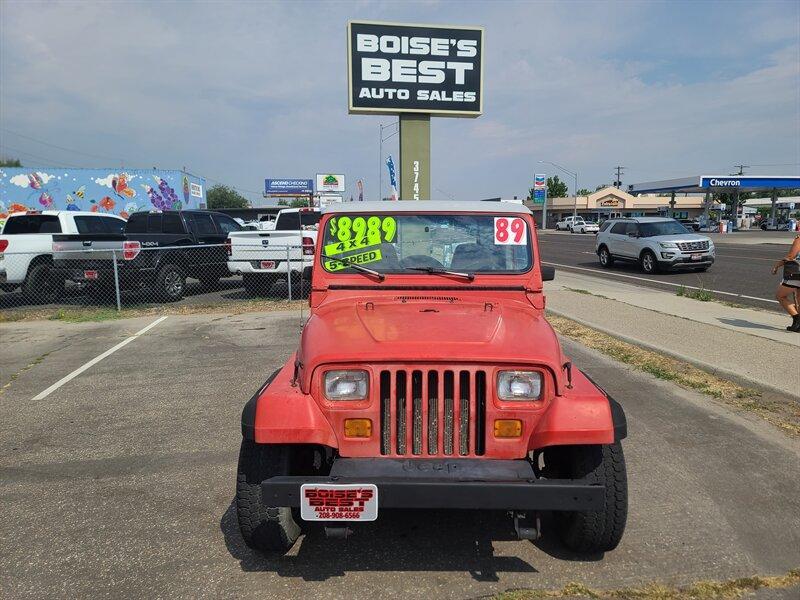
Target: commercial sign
[[288, 187], [397, 68], [749, 182], [196, 190], [609, 202], [329, 182], [539, 196], [539, 182]]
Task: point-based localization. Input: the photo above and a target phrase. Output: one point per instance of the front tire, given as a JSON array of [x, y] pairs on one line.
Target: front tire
[[592, 531], [606, 260], [649, 262], [263, 527]]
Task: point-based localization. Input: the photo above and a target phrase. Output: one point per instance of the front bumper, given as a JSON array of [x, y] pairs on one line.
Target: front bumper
[[682, 261], [457, 483]]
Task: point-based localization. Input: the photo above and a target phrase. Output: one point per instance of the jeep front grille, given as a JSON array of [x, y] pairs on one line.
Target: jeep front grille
[[433, 412], [693, 245]]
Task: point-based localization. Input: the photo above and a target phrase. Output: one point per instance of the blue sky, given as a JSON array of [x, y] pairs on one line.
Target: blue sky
[[238, 92]]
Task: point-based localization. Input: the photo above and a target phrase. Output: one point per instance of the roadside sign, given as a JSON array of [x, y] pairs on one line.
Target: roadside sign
[[330, 182], [539, 196], [398, 68], [540, 182], [288, 187]]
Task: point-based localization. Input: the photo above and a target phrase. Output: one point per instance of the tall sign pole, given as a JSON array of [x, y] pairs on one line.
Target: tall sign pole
[[414, 71]]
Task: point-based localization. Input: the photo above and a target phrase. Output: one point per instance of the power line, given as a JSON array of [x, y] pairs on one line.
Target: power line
[[618, 181], [27, 137], [48, 162]]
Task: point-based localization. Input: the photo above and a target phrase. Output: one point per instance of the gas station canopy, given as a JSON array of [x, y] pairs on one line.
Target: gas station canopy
[[716, 184]]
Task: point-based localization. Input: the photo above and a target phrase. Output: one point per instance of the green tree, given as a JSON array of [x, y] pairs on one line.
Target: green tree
[[556, 188], [10, 162], [583, 192], [293, 203], [222, 196]]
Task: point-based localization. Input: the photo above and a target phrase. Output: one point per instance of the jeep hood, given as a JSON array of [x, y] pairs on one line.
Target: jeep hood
[[436, 331]]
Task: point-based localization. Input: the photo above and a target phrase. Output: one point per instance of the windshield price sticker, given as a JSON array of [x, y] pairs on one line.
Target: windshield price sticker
[[509, 231], [356, 259], [342, 502], [359, 232]]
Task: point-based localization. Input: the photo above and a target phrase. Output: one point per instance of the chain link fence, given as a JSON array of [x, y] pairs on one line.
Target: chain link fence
[[131, 274]]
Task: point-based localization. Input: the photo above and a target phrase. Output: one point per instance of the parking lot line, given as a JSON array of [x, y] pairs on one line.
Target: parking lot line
[[96, 360], [678, 285]]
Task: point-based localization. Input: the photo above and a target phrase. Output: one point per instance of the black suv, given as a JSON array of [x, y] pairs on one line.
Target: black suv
[[157, 250]]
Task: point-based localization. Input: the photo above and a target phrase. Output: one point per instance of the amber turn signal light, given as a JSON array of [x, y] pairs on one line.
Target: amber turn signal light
[[507, 428], [358, 428]]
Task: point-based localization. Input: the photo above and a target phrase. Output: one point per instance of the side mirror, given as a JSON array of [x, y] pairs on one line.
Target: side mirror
[[548, 273]]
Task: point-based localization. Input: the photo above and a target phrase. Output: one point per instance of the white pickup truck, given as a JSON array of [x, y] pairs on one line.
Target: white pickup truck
[[265, 258], [26, 248]]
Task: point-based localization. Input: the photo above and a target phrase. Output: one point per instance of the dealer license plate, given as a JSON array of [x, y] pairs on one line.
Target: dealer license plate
[[343, 502], [267, 264], [696, 256], [90, 274]]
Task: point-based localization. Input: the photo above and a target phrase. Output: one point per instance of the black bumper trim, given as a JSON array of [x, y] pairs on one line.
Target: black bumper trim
[[541, 494]]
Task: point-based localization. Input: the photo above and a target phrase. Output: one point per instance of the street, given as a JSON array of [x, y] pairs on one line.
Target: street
[[120, 482], [741, 273]]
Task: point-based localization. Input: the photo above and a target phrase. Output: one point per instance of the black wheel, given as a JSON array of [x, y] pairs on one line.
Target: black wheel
[[263, 528], [255, 285], [41, 286], [171, 283], [596, 530], [649, 262], [605, 257]]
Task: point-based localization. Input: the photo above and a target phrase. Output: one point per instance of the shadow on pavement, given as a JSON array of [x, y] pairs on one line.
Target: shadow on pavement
[[747, 324], [401, 540]]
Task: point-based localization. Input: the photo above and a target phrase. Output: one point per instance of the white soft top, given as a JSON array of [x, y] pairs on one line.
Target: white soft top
[[413, 206]]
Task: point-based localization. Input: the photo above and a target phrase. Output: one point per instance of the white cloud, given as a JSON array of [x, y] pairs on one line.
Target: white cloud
[[106, 181], [20, 180]]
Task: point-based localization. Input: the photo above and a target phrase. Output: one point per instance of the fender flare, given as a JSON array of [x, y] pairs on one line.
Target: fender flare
[[249, 410]]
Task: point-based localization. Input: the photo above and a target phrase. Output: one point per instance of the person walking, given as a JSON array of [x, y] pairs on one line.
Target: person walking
[[789, 287]]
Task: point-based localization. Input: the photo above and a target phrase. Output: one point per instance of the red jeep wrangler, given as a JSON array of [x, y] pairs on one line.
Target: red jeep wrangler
[[428, 377]]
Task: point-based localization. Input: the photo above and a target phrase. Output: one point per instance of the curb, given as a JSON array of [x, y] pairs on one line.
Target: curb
[[714, 370]]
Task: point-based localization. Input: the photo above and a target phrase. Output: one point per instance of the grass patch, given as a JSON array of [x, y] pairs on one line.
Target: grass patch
[[786, 416], [702, 295], [701, 590], [106, 313]]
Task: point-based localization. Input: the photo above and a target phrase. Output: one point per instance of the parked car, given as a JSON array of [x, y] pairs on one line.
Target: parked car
[[267, 258], [26, 248], [157, 250], [428, 377], [656, 243], [690, 224], [584, 227], [566, 223], [770, 225]]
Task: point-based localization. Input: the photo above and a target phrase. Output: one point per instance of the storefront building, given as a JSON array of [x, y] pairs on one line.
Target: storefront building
[[611, 202]]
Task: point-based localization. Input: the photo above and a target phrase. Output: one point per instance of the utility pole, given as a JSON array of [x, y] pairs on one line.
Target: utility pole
[[735, 212], [618, 180]]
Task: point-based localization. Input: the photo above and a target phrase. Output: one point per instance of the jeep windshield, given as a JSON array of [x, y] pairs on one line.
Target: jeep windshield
[[661, 228], [426, 244]]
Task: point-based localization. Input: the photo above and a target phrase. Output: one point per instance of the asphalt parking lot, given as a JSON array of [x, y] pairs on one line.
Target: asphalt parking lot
[[119, 483]]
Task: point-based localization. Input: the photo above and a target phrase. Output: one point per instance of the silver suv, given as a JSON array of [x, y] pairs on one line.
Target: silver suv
[[655, 243]]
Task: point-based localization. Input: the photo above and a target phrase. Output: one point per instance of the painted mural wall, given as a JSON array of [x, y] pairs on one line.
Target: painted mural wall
[[119, 192]]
